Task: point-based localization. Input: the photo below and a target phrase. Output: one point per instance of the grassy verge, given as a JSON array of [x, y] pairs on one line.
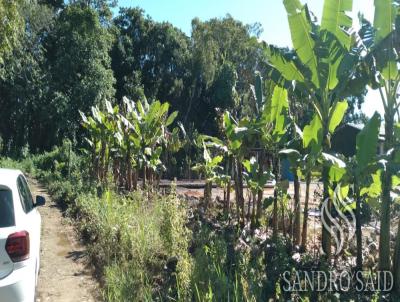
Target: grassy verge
[[138, 241]]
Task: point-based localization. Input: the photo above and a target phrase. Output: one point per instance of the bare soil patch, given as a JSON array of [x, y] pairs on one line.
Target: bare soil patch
[[65, 273]]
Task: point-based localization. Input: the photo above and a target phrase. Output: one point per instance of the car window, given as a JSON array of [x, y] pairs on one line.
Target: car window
[[25, 195], [7, 218]]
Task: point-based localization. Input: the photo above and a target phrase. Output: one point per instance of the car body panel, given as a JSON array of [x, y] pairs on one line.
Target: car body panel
[[18, 280]]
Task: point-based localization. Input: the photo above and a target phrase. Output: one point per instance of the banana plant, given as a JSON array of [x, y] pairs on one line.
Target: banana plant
[[302, 161], [136, 136], [322, 66], [267, 132], [149, 123], [359, 171], [295, 159], [234, 134], [256, 178], [381, 68], [210, 167], [100, 132]]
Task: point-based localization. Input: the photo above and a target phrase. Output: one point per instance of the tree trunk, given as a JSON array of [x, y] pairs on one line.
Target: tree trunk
[[260, 192], [129, 169], [358, 227], [228, 189], [283, 220], [237, 190], [253, 212], [326, 234], [240, 193], [275, 215], [248, 215], [207, 194], [297, 209], [102, 161], [275, 209], [386, 177], [134, 178], [396, 262], [144, 176], [305, 218]]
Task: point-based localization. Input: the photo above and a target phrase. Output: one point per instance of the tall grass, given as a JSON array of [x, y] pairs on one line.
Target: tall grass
[[132, 238]]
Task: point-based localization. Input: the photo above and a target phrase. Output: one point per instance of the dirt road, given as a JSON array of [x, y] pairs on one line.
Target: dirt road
[[64, 274]]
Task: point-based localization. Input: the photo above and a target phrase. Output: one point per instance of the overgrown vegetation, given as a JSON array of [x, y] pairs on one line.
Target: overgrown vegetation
[[221, 106]]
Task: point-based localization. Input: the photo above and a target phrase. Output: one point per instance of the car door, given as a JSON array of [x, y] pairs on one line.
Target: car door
[[32, 220], [7, 226]]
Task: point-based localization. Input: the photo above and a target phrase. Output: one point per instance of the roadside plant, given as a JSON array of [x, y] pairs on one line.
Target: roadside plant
[[322, 66], [210, 168], [381, 71]]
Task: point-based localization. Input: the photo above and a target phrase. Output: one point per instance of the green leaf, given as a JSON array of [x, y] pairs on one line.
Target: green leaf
[[395, 181], [246, 164], [375, 189], [384, 18], [285, 66], [336, 115], [336, 173], [278, 103], [216, 160], [302, 39], [386, 12], [171, 118], [336, 21], [367, 142], [313, 132]]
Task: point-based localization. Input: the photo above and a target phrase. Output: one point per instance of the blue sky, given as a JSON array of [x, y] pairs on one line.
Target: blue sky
[[270, 13]]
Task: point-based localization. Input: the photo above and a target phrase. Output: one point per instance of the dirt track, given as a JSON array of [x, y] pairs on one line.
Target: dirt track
[[64, 275]]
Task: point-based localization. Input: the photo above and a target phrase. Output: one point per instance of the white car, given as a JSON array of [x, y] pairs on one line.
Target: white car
[[20, 226]]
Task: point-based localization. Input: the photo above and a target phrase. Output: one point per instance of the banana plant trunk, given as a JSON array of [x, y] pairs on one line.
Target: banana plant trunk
[[237, 189], [359, 261], [275, 209], [207, 194], [260, 192], [326, 234], [129, 169], [144, 176], [297, 209], [228, 188], [241, 197], [386, 178], [253, 211], [396, 262], [305, 215]]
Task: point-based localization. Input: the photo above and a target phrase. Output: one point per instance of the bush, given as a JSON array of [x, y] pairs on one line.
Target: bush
[[26, 165]]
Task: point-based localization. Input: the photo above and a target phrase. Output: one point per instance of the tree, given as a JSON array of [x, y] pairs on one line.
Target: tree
[[150, 58], [359, 172], [24, 85], [79, 65], [381, 71], [210, 168], [226, 54], [322, 64], [11, 27]]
